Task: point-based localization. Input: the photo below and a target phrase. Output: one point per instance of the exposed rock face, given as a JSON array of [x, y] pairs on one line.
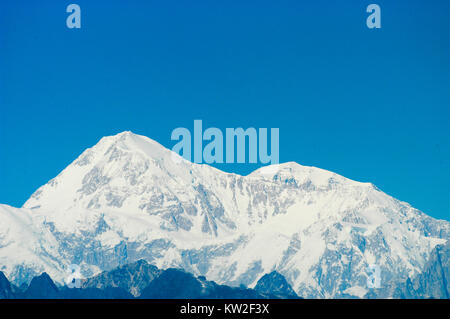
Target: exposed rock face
[[132, 278], [434, 281], [275, 284]]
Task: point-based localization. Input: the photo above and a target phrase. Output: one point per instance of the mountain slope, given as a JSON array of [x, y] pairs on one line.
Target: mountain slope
[[434, 281], [41, 287], [128, 198], [132, 278], [27, 246], [6, 291]]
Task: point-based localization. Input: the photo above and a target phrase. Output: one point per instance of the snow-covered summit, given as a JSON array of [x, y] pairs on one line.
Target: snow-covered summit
[[129, 198]]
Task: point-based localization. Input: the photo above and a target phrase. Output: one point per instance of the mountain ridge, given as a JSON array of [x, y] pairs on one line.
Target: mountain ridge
[[128, 198], [148, 282]]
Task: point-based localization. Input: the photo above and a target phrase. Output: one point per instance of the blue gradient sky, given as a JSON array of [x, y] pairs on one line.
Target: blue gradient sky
[[372, 105]]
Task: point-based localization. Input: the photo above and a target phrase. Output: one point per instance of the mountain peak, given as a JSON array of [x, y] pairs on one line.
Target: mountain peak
[[275, 283], [126, 133], [292, 172], [41, 287], [131, 277], [126, 199], [128, 139]]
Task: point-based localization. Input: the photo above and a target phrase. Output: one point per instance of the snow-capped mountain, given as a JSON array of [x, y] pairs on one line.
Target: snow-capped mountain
[[128, 198]]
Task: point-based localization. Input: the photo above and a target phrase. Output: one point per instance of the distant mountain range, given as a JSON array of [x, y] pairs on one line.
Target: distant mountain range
[[128, 198], [144, 281]]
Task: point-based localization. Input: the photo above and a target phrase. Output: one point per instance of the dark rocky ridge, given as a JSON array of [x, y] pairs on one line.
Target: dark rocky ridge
[[275, 284], [145, 281]]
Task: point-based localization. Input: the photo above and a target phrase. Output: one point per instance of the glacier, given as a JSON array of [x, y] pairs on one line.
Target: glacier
[[128, 198]]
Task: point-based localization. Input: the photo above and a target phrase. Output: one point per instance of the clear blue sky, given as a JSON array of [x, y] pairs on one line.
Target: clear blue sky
[[372, 105]]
